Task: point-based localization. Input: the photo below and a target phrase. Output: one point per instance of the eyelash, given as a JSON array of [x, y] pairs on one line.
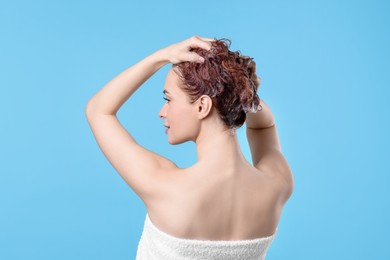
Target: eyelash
[[166, 99]]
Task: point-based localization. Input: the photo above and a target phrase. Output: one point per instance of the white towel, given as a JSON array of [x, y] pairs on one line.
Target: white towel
[[157, 245]]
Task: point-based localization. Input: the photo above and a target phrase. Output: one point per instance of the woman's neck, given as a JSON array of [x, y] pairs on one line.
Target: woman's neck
[[219, 148]]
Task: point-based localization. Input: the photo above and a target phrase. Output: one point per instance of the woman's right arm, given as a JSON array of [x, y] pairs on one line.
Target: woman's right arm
[[266, 151], [261, 119]]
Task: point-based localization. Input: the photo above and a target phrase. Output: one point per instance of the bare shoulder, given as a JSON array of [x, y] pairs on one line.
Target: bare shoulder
[[143, 170]]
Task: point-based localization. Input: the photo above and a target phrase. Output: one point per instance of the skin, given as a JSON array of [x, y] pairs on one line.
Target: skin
[[222, 196], [197, 122], [243, 193]]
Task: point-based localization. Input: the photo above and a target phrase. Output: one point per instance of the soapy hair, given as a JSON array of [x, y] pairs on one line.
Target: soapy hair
[[227, 77]]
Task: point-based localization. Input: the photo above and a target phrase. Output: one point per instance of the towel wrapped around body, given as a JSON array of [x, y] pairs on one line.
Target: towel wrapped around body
[[158, 245]]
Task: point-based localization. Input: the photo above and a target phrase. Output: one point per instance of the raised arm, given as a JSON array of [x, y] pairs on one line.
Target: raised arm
[[142, 169], [262, 119], [266, 150]]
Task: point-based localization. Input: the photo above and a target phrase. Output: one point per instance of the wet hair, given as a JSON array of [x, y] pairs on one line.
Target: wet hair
[[227, 77]]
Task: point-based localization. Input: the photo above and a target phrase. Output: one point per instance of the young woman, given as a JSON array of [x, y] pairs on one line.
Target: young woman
[[222, 207]]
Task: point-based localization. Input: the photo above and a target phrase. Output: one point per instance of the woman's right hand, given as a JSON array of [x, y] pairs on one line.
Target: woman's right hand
[[180, 52]]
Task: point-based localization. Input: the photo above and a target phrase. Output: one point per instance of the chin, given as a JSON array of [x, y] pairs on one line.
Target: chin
[[173, 141]]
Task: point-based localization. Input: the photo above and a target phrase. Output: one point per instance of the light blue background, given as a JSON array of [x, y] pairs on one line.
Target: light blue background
[[324, 67]]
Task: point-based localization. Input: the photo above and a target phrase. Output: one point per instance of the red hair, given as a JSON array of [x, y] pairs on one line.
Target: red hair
[[227, 77]]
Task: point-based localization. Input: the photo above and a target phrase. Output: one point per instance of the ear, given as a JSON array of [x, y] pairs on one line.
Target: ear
[[204, 106]]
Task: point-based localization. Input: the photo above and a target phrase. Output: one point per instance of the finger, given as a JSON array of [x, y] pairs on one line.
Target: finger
[[206, 39], [203, 39], [192, 56], [201, 44]]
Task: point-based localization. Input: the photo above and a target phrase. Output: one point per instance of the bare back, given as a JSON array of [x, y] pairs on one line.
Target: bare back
[[210, 204]]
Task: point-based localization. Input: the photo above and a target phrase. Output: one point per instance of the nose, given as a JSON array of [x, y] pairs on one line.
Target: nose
[[162, 112]]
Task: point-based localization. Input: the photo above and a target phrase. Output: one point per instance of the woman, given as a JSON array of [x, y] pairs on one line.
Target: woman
[[222, 207]]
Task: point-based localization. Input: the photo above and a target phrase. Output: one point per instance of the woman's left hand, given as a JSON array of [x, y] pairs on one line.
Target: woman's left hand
[[180, 52]]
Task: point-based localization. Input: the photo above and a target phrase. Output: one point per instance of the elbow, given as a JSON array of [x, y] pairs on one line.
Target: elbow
[[88, 109], [92, 109]]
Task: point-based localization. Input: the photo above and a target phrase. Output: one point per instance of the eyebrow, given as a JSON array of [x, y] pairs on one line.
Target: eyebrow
[[166, 92]]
